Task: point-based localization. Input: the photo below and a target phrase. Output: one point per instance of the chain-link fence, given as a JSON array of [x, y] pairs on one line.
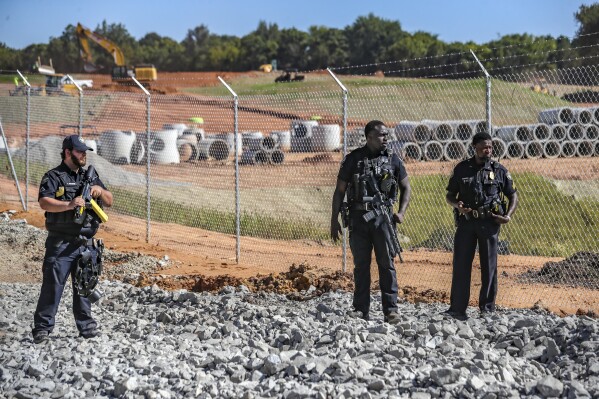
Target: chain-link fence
[[244, 169]]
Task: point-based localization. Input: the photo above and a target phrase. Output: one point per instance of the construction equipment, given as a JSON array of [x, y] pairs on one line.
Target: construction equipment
[[265, 68], [121, 73], [289, 75]]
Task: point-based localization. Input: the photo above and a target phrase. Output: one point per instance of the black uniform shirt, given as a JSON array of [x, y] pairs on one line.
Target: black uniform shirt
[[496, 179], [64, 184], [349, 166]]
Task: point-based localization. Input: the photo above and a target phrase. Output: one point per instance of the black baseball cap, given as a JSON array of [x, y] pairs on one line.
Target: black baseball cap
[[74, 142]]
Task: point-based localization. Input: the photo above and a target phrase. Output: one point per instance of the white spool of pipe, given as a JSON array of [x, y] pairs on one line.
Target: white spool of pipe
[[90, 143], [255, 157], [302, 129], [251, 140], [163, 147], [412, 131], [326, 138], [568, 149], [515, 150], [283, 138], [454, 150], [179, 127], [533, 149], [518, 133], [559, 132], [411, 152], [197, 132], [213, 149], [138, 150], [585, 148], [188, 149], [583, 116], [575, 132], [540, 131], [432, 151], [115, 146], [595, 112], [591, 132], [551, 149], [554, 116], [268, 143], [499, 147]]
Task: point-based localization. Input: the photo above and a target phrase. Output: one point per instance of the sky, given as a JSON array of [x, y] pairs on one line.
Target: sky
[[25, 22]]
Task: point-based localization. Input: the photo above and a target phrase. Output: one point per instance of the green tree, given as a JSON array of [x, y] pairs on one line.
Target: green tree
[[587, 35], [260, 46], [291, 52], [161, 51], [64, 51], [10, 59], [224, 53], [196, 45], [326, 47]]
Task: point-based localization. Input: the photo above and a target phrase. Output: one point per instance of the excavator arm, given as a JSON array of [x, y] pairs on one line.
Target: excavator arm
[[84, 34]]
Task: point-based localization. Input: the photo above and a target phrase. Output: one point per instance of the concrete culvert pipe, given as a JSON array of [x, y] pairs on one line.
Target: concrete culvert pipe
[[597, 149], [515, 150], [115, 146], [301, 144], [557, 115], [301, 129], [277, 157], [268, 143], [568, 149], [592, 132], [540, 131], [326, 138], [255, 157], [478, 126], [454, 150], [519, 133], [463, 131], [432, 151], [469, 149], [499, 147], [412, 131], [93, 144], [583, 116], [575, 132], [199, 133], [533, 149], [551, 149], [188, 151], [595, 112], [283, 139], [411, 152], [441, 131], [229, 138], [138, 151], [559, 132], [585, 148], [163, 147], [251, 140], [213, 149]]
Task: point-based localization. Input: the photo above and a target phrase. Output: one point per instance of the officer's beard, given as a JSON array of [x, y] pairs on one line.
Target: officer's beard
[[76, 161]]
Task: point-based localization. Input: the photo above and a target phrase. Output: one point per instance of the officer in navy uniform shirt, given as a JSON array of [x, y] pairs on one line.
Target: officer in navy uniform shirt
[[475, 191], [59, 195], [391, 177]]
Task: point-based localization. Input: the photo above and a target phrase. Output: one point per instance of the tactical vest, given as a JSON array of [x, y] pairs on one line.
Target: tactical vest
[[63, 222], [373, 175], [485, 193]]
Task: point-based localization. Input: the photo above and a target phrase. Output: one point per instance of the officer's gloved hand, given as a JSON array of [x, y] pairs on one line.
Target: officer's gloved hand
[[398, 217], [335, 229], [499, 219], [75, 202]]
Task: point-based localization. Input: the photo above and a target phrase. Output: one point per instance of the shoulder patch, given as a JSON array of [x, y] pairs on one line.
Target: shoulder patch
[[509, 176]]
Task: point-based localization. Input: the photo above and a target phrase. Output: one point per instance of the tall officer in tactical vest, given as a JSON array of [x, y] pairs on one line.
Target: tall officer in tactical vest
[[476, 191], [59, 196], [365, 173]]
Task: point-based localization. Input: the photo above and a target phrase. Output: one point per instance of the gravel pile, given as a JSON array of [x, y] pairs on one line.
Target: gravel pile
[[579, 270], [238, 344], [161, 344]]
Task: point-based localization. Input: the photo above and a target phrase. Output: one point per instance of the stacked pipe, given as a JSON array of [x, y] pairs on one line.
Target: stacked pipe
[[259, 149]]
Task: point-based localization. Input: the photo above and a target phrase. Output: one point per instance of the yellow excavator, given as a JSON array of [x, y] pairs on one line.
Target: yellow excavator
[[120, 72]]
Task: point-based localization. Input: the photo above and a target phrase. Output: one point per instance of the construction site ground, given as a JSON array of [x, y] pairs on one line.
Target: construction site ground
[[424, 276]]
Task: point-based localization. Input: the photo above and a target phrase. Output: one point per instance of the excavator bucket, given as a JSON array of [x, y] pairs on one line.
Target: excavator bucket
[[90, 68]]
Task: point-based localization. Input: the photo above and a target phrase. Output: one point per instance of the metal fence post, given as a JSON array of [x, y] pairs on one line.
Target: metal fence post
[[26, 140], [344, 89], [12, 166], [80, 103], [148, 177], [237, 200], [488, 95]]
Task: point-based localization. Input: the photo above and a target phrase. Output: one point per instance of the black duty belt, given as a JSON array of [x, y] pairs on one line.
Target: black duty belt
[[81, 240], [366, 206]]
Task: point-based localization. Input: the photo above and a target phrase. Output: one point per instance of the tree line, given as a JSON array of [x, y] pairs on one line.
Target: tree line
[[369, 44]]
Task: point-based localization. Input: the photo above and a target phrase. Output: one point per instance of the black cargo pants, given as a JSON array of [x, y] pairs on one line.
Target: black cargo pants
[[363, 238]]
